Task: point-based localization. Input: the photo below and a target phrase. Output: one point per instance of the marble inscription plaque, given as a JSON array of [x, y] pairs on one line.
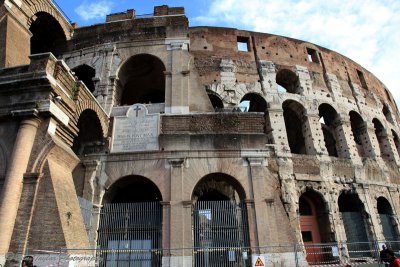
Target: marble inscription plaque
[[137, 131]]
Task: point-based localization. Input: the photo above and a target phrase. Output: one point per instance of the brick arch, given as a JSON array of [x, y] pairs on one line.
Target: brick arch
[[41, 7], [100, 114]]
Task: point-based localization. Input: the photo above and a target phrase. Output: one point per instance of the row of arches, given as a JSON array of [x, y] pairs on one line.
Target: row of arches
[[299, 135], [132, 214]]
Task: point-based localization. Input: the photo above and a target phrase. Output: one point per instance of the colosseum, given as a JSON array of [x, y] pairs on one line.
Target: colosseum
[[142, 141]]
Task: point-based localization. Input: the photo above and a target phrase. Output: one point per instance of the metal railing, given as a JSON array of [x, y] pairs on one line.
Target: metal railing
[[291, 255]]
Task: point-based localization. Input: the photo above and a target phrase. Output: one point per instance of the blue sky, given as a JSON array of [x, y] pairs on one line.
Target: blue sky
[[367, 31]]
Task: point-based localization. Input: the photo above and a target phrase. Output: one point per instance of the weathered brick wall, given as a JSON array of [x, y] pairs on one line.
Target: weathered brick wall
[[214, 123]]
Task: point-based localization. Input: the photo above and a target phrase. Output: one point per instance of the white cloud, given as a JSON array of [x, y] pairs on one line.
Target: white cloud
[[94, 10], [366, 31]]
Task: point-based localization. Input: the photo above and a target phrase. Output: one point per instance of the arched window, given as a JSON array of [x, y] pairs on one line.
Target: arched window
[[142, 80], [90, 135], [86, 75], [289, 81], [47, 35], [359, 130], [329, 120], [387, 113], [216, 101], [294, 116], [382, 138], [255, 103]]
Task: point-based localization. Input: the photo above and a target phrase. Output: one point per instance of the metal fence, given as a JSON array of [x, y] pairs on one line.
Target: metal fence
[[292, 255], [130, 234]]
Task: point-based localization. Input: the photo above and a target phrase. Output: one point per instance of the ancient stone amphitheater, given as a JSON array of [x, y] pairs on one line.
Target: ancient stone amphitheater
[[142, 141]]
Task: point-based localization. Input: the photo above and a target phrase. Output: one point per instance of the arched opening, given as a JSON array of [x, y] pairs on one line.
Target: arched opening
[[47, 35], [329, 120], [130, 229], [387, 113], [220, 225], [314, 225], [382, 138], [396, 141], [216, 101], [294, 116], [256, 103], [86, 75], [359, 130], [289, 81], [388, 221], [90, 135], [353, 215], [142, 80]]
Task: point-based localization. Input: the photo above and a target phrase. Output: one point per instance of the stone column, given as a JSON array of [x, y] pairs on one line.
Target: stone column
[[279, 134], [373, 222], [180, 225], [90, 176], [179, 101], [13, 181], [313, 135], [346, 139], [260, 194]]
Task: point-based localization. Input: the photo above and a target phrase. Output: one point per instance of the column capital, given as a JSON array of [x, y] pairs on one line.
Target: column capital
[[249, 201], [256, 161], [187, 203], [165, 204], [176, 163], [25, 113], [91, 165]]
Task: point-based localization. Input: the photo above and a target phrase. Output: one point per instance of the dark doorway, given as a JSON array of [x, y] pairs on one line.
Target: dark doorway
[[220, 225], [130, 229]]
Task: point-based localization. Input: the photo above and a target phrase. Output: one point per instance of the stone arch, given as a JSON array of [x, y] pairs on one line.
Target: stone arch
[[387, 218], [90, 137], [295, 121], [383, 141], [85, 73], [218, 204], [289, 81], [132, 188], [42, 7], [216, 100], [257, 102], [330, 121], [92, 105], [314, 223], [131, 218], [141, 79], [353, 213], [387, 113], [47, 34], [220, 185]]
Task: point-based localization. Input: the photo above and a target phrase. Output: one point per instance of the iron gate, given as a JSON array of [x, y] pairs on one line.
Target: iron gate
[[130, 234], [358, 245], [220, 234]]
